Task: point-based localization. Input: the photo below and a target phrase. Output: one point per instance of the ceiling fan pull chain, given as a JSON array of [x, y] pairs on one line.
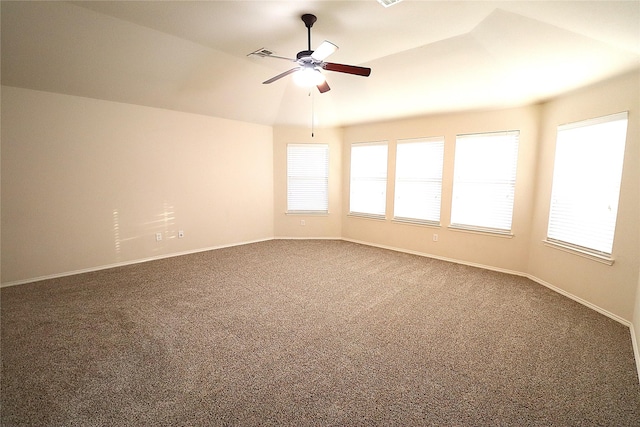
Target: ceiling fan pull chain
[[312, 113]]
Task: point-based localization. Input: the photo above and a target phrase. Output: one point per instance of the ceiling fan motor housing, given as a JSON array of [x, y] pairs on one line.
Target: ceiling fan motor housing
[[304, 54]]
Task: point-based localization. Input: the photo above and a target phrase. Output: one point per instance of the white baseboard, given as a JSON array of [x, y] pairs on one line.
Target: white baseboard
[[308, 238], [581, 301], [124, 263], [636, 348], [441, 258], [507, 271]]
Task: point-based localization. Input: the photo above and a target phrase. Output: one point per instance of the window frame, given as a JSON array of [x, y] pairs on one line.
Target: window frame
[[383, 179], [510, 183], [563, 134], [323, 207], [435, 142]]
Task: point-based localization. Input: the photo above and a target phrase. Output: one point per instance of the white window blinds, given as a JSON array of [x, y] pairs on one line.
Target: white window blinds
[[484, 181], [419, 180], [307, 178], [368, 187], [586, 183]]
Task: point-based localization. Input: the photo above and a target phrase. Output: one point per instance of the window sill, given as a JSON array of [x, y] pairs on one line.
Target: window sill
[[482, 231], [420, 223], [313, 213], [582, 253], [367, 216]]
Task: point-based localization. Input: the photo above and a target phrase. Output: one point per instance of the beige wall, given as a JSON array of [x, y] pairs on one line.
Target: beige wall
[[636, 327], [88, 183], [636, 319], [316, 226], [499, 252], [611, 288]]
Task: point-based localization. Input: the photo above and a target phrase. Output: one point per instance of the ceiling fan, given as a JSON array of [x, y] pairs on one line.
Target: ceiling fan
[[310, 63]]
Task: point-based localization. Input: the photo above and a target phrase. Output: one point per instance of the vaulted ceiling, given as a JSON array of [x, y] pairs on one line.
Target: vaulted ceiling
[[427, 57]]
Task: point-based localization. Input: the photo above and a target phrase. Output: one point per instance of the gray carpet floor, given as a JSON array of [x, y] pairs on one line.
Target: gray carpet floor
[[309, 333]]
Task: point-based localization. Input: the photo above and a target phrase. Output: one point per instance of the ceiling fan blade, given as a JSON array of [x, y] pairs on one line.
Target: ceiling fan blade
[[349, 69], [323, 87], [281, 75], [324, 50]]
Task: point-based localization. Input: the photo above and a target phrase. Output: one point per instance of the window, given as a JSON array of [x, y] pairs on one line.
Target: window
[[368, 189], [586, 183], [484, 181], [307, 178], [418, 180]]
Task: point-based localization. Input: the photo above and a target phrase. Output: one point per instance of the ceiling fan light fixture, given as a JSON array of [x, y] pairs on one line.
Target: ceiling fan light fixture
[[308, 76]]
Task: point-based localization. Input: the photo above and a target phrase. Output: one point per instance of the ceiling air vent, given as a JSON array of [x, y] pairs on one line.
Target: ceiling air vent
[[262, 52], [387, 3]]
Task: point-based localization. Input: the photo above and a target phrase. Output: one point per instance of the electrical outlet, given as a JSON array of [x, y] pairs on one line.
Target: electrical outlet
[[435, 237], [180, 234], [302, 222], [158, 237]]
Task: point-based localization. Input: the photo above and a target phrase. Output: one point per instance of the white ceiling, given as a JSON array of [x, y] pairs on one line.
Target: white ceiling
[[427, 57]]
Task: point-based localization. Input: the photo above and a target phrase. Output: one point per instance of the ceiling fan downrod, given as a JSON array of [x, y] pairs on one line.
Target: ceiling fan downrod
[[309, 20]]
